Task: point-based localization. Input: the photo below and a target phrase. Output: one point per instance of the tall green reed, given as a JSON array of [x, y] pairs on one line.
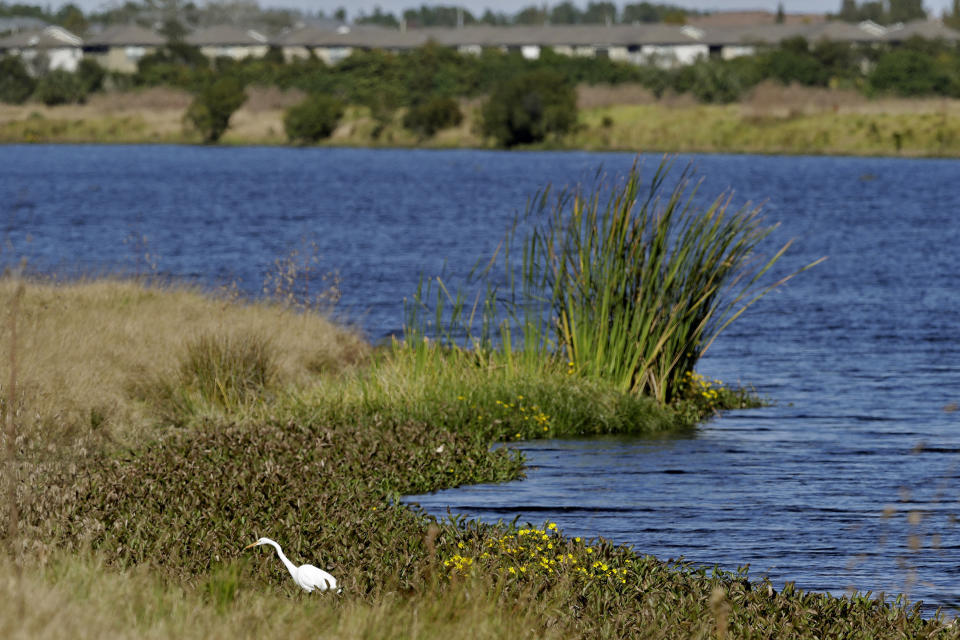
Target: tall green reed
[[629, 283]]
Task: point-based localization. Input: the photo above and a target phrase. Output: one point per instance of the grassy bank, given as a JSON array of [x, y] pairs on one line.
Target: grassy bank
[[161, 430], [772, 119]]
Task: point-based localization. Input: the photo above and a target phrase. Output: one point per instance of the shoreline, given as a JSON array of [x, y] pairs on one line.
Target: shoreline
[[883, 128], [219, 469]]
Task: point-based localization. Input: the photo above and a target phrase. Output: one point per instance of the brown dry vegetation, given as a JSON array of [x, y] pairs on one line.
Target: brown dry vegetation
[[607, 95], [83, 346], [148, 115], [774, 100]]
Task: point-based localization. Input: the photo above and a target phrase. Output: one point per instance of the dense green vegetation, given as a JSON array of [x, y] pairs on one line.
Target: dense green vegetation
[[60, 87], [16, 85], [432, 115], [210, 111], [889, 12], [313, 119], [530, 107]]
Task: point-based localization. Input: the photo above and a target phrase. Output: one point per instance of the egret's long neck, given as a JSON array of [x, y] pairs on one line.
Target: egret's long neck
[[290, 566]]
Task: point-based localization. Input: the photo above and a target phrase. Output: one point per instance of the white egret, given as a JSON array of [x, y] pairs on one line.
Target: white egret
[[307, 576]]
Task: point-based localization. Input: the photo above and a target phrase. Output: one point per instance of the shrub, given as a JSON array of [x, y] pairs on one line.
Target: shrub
[[224, 369], [710, 81], [216, 372], [529, 107], [60, 87], [313, 119], [213, 105], [91, 75], [912, 73], [628, 283], [16, 85], [437, 113]]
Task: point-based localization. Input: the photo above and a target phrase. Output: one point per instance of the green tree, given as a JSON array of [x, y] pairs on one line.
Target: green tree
[[532, 15], [910, 72], [173, 30], [528, 107], [906, 10], [91, 75], [213, 106], [566, 13], [378, 17], [952, 19], [16, 85], [428, 117], [653, 12], [439, 16], [71, 18], [849, 11], [60, 87], [640, 12], [313, 119], [495, 19], [600, 13], [794, 62], [781, 14], [713, 81]]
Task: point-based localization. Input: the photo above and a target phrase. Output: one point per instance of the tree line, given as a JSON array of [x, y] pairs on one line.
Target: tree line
[[565, 13], [188, 15], [176, 17], [426, 83]]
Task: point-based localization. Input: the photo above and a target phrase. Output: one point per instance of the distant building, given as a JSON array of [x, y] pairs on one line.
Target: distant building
[[230, 42], [120, 48], [333, 43], [665, 45], [928, 29], [47, 49]]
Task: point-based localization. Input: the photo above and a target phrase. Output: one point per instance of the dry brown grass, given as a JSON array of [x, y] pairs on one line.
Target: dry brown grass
[[83, 348], [259, 127], [148, 115], [261, 98], [606, 95], [151, 99], [155, 104], [772, 100]]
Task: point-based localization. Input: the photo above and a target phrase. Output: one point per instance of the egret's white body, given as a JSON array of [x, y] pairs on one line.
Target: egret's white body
[[307, 576]]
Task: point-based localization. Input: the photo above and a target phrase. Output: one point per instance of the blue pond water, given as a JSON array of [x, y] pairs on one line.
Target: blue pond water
[[861, 354]]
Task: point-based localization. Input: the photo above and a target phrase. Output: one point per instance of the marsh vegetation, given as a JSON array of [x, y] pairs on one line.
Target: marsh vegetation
[[160, 429]]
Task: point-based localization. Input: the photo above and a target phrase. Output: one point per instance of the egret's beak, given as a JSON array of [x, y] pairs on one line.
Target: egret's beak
[[250, 545]]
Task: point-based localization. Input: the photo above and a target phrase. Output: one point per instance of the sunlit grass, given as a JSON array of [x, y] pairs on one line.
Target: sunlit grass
[[728, 129], [91, 351]]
